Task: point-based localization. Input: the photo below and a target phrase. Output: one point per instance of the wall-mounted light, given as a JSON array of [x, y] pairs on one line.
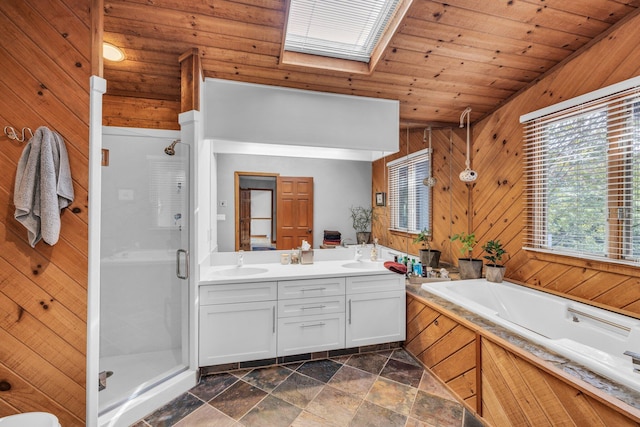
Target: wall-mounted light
[[112, 53]]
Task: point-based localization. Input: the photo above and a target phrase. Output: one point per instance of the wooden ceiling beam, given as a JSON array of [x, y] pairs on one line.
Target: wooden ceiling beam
[[190, 78]]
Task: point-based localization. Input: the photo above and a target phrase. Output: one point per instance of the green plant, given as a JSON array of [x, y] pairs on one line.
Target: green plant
[[494, 251], [362, 218], [468, 242], [424, 237]]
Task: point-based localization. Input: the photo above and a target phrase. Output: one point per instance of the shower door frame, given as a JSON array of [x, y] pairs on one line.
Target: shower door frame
[[173, 387]]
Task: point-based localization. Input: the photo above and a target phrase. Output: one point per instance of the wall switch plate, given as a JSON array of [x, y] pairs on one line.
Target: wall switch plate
[[222, 217]]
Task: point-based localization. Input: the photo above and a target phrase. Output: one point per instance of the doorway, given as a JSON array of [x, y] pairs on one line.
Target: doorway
[[272, 212]]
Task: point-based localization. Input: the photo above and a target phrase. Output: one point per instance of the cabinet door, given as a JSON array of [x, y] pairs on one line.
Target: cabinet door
[[237, 332], [307, 334], [375, 318]]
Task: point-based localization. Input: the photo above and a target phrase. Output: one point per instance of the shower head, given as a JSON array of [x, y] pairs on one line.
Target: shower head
[[170, 150], [466, 113], [429, 181], [468, 175]]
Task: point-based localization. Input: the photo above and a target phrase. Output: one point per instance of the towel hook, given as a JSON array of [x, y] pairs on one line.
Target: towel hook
[[12, 134]]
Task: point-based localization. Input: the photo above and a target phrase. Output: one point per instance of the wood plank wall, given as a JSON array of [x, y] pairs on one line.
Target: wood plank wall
[[44, 81], [498, 193], [495, 208]]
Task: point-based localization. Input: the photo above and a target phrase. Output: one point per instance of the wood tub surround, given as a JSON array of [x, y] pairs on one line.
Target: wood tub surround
[[505, 378]]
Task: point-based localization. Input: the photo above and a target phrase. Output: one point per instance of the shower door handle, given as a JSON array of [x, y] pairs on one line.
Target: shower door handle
[[186, 264]]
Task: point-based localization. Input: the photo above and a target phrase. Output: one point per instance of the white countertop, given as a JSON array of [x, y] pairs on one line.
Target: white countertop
[[275, 271]]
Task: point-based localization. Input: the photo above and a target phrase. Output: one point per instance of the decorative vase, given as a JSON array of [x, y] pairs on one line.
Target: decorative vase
[[495, 273], [363, 237], [430, 258], [470, 268]]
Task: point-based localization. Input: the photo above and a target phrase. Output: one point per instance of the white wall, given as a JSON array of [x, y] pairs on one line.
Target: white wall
[[247, 112], [338, 185]]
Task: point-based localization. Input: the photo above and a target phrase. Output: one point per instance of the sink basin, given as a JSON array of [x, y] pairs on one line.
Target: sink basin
[[241, 271], [369, 265]]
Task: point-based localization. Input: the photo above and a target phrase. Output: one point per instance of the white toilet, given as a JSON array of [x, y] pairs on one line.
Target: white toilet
[[30, 419]]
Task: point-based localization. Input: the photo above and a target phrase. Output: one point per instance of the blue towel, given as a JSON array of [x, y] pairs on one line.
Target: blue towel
[[43, 186]]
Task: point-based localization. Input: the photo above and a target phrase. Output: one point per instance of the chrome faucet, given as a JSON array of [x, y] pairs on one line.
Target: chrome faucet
[[240, 258], [635, 359], [358, 253]]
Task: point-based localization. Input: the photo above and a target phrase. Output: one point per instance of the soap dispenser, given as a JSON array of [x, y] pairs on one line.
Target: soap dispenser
[[374, 250]]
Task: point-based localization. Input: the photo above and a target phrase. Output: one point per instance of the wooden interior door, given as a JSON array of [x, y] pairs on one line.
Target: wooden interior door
[[294, 211], [245, 219]]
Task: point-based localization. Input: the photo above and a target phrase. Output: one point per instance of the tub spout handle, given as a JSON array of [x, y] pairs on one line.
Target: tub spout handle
[[635, 359]]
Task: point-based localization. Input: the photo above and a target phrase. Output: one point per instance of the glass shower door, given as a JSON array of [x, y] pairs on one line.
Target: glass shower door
[[144, 265]]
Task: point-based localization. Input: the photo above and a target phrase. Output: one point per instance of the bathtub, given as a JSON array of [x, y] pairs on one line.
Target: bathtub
[[595, 338]]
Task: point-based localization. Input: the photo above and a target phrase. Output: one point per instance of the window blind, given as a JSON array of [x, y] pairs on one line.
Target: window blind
[[409, 198], [337, 28], [582, 178]]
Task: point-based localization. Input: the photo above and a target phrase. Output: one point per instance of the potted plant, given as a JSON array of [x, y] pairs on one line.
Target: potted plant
[[495, 251], [470, 268], [362, 218], [428, 257]]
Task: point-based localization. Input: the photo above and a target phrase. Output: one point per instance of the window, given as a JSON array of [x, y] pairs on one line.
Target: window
[[340, 35], [338, 29], [409, 198], [582, 167]]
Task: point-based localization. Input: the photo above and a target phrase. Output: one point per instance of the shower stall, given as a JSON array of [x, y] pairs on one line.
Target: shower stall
[[144, 266]]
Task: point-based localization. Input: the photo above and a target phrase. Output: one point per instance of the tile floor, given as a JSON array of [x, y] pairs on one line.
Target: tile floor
[[385, 388]]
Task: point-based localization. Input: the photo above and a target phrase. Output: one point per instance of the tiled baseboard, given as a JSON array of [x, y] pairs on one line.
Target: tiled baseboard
[[215, 369]]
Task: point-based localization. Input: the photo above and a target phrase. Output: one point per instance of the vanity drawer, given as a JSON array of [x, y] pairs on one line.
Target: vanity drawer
[[291, 289], [238, 292], [387, 282], [311, 306], [308, 334]]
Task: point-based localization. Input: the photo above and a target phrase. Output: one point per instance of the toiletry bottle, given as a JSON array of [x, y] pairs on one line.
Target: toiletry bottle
[[417, 269], [374, 250], [409, 268]]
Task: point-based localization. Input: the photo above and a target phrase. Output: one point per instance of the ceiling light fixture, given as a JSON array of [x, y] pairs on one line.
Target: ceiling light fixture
[[112, 53]]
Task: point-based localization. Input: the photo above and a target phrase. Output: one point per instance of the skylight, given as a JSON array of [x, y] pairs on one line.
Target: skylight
[[343, 29]]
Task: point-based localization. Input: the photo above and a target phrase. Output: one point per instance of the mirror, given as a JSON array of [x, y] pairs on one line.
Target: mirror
[[445, 159], [337, 185], [340, 184]]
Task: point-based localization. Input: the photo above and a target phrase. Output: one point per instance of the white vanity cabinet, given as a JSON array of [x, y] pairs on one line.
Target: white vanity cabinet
[[311, 315], [376, 310], [237, 322], [245, 321]]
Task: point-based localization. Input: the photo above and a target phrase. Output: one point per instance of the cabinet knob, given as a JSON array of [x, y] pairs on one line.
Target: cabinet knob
[[5, 386]]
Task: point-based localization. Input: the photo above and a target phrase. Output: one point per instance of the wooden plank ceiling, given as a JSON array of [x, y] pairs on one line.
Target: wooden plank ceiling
[[443, 57]]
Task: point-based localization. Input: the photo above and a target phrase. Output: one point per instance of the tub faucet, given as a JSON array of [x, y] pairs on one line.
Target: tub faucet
[[240, 258], [635, 359]]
